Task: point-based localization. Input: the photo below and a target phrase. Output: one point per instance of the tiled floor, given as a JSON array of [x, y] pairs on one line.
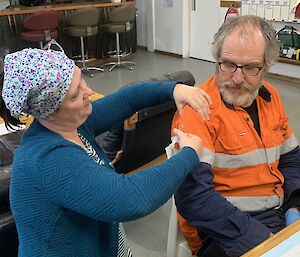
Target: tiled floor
[[148, 236]]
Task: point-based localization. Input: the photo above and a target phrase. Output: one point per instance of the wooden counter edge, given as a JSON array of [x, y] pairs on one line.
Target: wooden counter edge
[[274, 240], [227, 3], [60, 7]]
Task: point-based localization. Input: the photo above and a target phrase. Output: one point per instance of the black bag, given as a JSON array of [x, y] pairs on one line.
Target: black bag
[[289, 38]]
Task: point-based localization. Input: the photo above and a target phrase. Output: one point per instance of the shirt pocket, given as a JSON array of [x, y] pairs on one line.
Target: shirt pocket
[[233, 143], [280, 130]]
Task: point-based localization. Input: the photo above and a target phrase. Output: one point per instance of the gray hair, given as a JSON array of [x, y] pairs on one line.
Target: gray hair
[[246, 24]]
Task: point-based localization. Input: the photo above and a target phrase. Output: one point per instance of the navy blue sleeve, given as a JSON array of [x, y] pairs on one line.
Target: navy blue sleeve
[[289, 165], [198, 202], [120, 105]]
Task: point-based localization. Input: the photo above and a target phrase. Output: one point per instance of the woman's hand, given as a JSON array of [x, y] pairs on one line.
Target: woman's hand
[[187, 139], [193, 96]]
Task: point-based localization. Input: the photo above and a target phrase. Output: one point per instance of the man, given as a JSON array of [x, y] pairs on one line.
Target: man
[[249, 185]]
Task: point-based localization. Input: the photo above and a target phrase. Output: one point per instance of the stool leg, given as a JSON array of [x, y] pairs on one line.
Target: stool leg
[[82, 53], [84, 68], [10, 23], [15, 23], [118, 48], [118, 54], [119, 63], [41, 44]]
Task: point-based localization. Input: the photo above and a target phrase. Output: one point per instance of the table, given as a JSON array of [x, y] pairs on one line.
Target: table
[[285, 243]]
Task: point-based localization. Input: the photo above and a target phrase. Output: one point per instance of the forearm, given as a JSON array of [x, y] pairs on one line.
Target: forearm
[[204, 208], [111, 196], [117, 107], [289, 165]]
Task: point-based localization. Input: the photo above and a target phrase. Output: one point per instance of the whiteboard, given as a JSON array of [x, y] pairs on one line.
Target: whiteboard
[[278, 10]]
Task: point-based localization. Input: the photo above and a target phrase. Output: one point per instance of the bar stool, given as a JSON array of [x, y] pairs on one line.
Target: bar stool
[[12, 20], [83, 23], [120, 21], [41, 26]]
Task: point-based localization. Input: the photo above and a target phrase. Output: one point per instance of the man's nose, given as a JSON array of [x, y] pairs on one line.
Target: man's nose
[[238, 76]]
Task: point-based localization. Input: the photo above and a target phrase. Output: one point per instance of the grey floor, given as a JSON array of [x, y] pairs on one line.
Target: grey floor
[[148, 236]]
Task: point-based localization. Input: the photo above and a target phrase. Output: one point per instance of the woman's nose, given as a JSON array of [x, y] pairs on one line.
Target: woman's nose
[[88, 90]]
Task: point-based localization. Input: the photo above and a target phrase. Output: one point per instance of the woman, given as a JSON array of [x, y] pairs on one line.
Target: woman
[[65, 196]]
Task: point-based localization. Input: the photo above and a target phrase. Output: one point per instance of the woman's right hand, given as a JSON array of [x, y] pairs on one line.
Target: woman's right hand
[[188, 139]]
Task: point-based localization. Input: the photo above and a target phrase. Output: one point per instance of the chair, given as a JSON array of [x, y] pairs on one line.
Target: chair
[[120, 21], [41, 26], [83, 23], [144, 136], [176, 245], [8, 232], [297, 11]]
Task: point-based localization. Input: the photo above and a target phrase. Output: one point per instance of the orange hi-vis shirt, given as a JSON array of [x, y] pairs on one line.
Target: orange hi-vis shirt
[[244, 164]]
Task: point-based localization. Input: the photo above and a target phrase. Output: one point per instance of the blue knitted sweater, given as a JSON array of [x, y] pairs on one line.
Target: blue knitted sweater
[[65, 204]]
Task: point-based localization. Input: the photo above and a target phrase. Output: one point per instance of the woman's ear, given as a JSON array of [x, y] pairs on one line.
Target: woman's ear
[[53, 115]]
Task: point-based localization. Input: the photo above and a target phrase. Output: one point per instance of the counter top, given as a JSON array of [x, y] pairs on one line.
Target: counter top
[[61, 7]]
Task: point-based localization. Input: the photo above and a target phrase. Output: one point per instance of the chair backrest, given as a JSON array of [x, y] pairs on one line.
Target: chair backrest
[[43, 20], [84, 17], [144, 136], [121, 14], [297, 11]]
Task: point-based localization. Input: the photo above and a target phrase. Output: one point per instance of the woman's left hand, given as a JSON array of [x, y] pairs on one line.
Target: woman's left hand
[[193, 96]]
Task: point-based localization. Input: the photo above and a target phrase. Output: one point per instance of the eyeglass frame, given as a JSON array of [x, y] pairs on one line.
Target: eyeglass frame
[[240, 67]]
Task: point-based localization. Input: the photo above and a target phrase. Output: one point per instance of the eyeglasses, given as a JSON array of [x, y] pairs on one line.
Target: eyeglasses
[[248, 70]]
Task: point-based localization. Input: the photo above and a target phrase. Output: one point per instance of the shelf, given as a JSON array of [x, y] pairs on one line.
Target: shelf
[[289, 61], [297, 21], [226, 3]]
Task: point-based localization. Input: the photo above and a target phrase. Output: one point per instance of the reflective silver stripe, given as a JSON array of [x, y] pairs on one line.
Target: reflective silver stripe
[[289, 144], [253, 158], [255, 203], [206, 156]]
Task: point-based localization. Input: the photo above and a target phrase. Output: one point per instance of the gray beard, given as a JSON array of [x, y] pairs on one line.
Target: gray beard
[[244, 100]]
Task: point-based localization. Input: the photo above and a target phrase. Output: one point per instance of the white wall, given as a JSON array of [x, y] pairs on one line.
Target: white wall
[[163, 28], [141, 22], [167, 29], [169, 26]]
